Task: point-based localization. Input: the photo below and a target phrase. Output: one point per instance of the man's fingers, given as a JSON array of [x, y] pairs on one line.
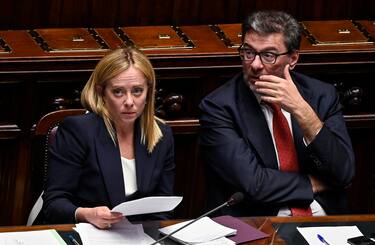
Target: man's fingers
[[287, 73]]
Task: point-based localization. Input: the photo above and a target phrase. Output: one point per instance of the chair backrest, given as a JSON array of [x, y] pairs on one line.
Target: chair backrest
[[47, 127], [45, 131]]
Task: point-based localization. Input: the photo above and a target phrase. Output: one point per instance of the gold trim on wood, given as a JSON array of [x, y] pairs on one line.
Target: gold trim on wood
[[355, 28], [186, 42], [76, 38], [224, 36]]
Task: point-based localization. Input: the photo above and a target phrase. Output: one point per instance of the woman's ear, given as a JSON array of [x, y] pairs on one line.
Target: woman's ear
[[99, 89], [100, 92]]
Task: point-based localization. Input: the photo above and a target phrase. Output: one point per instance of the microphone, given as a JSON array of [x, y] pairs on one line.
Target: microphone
[[234, 199]]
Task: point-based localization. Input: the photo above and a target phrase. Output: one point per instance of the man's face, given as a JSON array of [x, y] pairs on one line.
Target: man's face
[[273, 43]]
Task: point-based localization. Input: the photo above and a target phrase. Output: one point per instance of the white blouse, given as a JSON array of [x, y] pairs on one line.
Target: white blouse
[[130, 176]]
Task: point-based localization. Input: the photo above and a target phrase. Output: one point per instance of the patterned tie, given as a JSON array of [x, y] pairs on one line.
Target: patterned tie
[[286, 151]]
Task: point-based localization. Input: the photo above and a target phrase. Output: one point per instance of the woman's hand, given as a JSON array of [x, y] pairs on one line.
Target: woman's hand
[[101, 217]]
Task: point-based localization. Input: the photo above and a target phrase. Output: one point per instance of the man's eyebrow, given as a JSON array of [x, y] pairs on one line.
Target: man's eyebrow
[[267, 49], [247, 45]]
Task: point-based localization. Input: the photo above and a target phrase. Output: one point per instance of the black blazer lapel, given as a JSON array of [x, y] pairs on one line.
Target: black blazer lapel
[[109, 161], [254, 125], [144, 162]]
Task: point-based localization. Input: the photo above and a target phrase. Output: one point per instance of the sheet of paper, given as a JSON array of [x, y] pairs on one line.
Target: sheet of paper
[[334, 235], [220, 241], [50, 237], [125, 233], [148, 205], [203, 230]]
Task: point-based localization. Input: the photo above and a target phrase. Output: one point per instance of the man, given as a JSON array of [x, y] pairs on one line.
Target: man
[[240, 140]]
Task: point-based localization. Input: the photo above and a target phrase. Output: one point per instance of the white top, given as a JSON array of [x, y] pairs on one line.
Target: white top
[[316, 209], [130, 176]]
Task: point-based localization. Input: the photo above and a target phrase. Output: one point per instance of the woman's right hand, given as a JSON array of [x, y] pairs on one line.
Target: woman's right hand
[[101, 217]]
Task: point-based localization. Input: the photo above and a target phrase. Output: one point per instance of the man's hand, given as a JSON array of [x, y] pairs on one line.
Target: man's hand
[[317, 185], [284, 92], [101, 217], [281, 91]]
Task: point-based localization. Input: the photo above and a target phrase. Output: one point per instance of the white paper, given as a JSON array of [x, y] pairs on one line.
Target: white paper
[[203, 230], [50, 237], [121, 233], [220, 241], [334, 235], [148, 205]]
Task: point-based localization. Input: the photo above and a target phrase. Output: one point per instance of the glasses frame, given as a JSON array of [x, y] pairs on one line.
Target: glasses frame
[[243, 56]]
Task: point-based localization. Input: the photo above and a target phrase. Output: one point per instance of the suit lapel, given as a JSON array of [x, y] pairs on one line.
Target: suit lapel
[[143, 161], [254, 125], [109, 160]]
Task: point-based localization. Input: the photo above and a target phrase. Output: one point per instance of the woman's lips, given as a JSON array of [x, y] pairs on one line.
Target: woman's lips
[[128, 113]]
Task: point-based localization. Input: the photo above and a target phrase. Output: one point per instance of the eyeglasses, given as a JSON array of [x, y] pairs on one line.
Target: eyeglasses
[[248, 54]]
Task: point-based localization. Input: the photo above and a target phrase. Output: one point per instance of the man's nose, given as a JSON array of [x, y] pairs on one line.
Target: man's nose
[[257, 62]]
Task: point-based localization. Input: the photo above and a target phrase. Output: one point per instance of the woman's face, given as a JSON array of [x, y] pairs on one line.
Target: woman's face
[[125, 96]]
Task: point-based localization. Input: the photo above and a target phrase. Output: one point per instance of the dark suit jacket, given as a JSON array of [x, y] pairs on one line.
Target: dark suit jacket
[[85, 168], [240, 155]]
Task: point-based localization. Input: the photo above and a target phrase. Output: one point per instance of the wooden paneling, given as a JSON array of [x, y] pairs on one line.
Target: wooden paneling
[[9, 149], [25, 14], [363, 187]]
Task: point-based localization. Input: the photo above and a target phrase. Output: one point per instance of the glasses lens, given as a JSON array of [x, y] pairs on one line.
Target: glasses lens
[[241, 54], [247, 54], [268, 57]]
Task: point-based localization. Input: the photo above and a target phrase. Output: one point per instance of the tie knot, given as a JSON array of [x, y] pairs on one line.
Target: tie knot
[[275, 107]]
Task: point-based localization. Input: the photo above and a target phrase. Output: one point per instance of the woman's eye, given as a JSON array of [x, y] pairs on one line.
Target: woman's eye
[[137, 91], [118, 92]]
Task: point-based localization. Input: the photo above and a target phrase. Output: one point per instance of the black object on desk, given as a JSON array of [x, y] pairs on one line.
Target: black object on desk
[[65, 235]]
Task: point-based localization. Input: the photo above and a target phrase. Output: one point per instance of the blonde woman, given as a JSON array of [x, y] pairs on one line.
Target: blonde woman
[[118, 152]]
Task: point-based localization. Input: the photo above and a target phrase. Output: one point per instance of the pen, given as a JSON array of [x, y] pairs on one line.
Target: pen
[[74, 241], [322, 240]]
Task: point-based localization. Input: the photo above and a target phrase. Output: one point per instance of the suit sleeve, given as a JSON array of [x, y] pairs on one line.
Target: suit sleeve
[[66, 158], [331, 152], [231, 157]]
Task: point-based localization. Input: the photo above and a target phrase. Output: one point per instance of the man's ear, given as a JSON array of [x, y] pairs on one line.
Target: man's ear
[[294, 55]]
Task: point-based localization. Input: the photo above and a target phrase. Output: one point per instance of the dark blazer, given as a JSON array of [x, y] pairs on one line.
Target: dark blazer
[[240, 155], [85, 169]]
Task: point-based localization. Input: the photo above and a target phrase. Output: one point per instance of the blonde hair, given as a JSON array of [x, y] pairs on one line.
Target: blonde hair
[[110, 66]]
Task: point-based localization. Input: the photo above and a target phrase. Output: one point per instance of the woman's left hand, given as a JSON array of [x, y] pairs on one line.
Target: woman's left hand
[[101, 217]]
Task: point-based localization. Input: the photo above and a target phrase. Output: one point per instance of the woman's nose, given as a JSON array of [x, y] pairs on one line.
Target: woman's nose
[[129, 101]]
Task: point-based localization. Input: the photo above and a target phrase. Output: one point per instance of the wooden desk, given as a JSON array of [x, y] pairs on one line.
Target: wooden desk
[[269, 225]]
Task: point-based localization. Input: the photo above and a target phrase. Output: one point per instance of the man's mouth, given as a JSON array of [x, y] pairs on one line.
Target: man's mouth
[[252, 79]]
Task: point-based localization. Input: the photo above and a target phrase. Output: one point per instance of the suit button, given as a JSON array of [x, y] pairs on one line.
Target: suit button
[[317, 162]]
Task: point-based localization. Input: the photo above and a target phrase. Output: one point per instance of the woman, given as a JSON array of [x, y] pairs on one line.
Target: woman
[[118, 152]]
